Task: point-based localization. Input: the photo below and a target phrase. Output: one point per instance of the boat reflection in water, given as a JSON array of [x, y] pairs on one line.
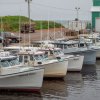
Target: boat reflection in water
[[89, 70], [82, 86], [8, 95], [56, 89]]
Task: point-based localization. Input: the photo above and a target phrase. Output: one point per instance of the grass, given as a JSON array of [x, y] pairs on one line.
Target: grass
[[11, 23]]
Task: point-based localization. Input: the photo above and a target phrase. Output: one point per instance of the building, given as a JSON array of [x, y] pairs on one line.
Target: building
[[96, 15], [77, 25]]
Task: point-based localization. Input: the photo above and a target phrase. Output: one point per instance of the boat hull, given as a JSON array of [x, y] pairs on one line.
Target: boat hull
[[75, 63], [98, 54], [56, 69], [89, 55], [27, 80]]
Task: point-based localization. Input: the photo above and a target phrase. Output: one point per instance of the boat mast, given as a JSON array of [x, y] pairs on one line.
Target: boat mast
[[1, 24], [48, 29], [61, 28], [19, 30], [24, 36], [29, 32], [54, 30], [41, 29], [2, 30]]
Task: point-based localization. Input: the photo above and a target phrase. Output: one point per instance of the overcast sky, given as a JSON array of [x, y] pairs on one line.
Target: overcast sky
[[44, 9]]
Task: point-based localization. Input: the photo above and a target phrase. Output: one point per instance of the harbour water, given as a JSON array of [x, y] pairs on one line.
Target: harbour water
[[75, 86]]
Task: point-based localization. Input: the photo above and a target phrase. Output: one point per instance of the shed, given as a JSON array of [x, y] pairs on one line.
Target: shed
[[95, 10]]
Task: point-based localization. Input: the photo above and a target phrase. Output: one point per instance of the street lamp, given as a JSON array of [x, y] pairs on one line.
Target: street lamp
[[77, 13]]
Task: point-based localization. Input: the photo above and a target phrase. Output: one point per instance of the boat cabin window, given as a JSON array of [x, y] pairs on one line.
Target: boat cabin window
[[69, 46], [98, 40], [75, 45], [60, 46], [20, 58], [55, 52], [0, 41], [47, 53], [4, 63], [65, 46], [14, 52], [45, 56], [94, 40], [25, 59], [41, 56], [28, 50], [31, 57], [81, 45], [36, 45], [55, 45], [51, 52], [37, 57], [60, 52]]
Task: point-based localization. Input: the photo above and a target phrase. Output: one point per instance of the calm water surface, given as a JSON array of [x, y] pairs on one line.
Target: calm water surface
[[75, 86]]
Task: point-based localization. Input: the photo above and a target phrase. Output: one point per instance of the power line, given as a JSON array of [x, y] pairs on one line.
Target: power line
[[40, 4], [43, 5]]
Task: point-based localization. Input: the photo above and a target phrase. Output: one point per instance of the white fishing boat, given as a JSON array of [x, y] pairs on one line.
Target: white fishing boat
[[75, 62], [15, 76], [95, 37], [77, 47], [53, 67]]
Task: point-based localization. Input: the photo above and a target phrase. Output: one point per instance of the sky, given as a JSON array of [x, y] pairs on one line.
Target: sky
[[47, 9]]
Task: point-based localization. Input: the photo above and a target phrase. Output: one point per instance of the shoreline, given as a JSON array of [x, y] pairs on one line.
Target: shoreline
[[37, 35]]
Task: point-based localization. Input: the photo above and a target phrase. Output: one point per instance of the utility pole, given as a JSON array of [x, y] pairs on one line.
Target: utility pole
[[77, 12], [28, 1], [77, 19]]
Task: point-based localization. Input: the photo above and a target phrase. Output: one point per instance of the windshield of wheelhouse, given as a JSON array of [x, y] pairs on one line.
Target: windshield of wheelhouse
[[37, 57], [41, 56], [45, 55], [4, 63], [13, 61], [58, 52]]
